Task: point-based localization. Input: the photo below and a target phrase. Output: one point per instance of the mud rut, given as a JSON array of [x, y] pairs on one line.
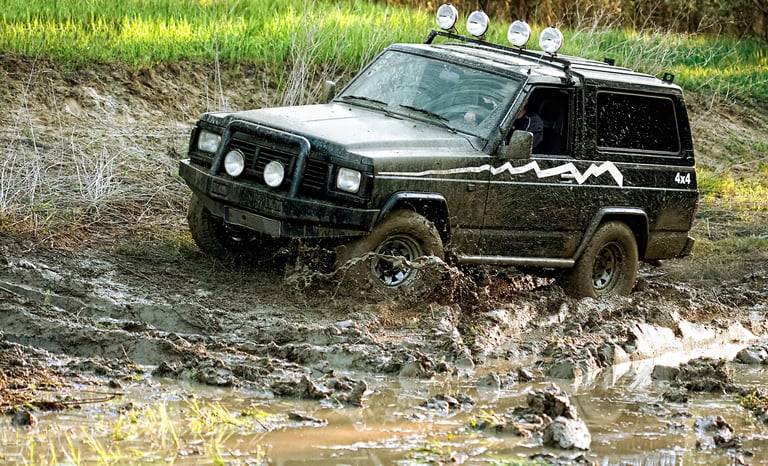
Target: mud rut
[[239, 325]]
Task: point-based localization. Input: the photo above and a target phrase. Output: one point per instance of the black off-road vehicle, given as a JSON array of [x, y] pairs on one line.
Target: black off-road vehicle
[[419, 156]]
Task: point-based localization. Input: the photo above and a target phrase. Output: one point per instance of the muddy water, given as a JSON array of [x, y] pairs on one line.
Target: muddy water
[[628, 418]]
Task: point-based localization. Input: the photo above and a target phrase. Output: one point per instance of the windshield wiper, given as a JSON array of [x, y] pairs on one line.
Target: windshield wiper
[[424, 111], [365, 99], [434, 117], [378, 104]]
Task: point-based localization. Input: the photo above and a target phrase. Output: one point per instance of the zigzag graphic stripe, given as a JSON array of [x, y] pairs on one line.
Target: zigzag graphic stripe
[[580, 178]]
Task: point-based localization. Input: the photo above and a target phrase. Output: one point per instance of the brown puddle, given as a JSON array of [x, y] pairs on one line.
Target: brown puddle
[[624, 409]]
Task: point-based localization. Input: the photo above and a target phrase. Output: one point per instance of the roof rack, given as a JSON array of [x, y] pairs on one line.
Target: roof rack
[[551, 60]]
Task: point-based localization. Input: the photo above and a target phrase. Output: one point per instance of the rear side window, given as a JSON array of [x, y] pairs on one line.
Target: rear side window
[[637, 122]]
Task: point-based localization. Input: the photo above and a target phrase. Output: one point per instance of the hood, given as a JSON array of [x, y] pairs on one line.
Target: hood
[[354, 129]]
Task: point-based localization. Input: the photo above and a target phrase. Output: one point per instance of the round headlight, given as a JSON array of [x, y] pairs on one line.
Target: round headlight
[[208, 141], [477, 23], [518, 33], [447, 15], [274, 173], [234, 163], [551, 40]]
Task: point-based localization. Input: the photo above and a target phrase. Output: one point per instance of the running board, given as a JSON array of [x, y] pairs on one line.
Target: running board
[[520, 261]]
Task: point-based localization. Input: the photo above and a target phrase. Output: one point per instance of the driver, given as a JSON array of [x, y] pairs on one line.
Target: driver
[[531, 122]]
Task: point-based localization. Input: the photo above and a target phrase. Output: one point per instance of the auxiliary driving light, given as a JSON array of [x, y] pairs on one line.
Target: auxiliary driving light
[[447, 15], [518, 33], [274, 174], [477, 23], [234, 163], [551, 40]]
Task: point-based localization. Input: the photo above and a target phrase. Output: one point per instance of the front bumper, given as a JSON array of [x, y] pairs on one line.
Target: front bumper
[[274, 214]]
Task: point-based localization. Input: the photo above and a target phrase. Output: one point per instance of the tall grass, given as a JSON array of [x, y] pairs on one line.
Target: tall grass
[[721, 65], [189, 432], [142, 33], [347, 34]]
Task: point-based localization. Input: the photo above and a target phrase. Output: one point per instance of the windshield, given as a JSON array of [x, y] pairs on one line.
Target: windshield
[[455, 96]]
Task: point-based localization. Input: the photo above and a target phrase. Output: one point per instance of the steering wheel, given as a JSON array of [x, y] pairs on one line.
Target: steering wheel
[[463, 112]]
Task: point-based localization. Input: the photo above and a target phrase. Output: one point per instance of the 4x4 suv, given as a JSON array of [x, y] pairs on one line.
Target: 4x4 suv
[[419, 156]]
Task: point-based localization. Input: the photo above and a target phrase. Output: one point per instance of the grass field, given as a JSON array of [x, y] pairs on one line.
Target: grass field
[[142, 33]]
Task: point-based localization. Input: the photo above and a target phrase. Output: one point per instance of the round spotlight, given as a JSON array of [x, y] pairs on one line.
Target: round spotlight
[[234, 163], [447, 15], [274, 174], [477, 23], [551, 40], [518, 33]]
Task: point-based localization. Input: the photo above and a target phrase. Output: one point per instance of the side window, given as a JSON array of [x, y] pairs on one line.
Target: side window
[[637, 122], [552, 106]]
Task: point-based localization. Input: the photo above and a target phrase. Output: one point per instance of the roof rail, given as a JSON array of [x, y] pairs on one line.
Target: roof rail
[[551, 60]]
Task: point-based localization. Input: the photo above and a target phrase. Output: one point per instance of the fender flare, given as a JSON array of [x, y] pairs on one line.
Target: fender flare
[[432, 206], [638, 224]]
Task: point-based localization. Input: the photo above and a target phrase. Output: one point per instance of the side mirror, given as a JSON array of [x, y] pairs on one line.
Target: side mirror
[[520, 146], [329, 91]]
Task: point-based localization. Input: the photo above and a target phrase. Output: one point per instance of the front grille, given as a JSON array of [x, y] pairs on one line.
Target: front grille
[[260, 151]]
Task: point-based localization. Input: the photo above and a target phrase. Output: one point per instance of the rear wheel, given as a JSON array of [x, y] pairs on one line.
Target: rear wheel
[[608, 265], [216, 238], [394, 257]]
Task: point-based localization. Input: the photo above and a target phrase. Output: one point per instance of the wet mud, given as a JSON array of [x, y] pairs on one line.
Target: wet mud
[[113, 319]]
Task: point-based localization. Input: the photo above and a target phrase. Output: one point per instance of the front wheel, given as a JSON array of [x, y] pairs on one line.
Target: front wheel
[[216, 238], [608, 265], [393, 257]]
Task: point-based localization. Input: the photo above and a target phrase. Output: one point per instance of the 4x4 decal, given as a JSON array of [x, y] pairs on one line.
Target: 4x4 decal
[[568, 168]]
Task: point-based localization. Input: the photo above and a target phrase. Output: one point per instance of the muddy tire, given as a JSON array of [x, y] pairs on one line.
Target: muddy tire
[[394, 259], [608, 265], [215, 238]]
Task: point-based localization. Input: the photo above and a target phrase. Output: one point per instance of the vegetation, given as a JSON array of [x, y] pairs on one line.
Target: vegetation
[[737, 17], [143, 33], [146, 434], [347, 34]]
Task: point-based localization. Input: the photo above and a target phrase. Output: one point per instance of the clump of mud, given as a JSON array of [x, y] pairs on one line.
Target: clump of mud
[[549, 416]]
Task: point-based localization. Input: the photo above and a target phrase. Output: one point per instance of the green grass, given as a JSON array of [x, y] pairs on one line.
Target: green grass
[[142, 33], [345, 34], [199, 431], [720, 65]]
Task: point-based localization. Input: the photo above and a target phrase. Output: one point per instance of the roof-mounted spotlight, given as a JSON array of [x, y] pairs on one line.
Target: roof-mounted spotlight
[[447, 15], [551, 40], [477, 23], [518, 33]]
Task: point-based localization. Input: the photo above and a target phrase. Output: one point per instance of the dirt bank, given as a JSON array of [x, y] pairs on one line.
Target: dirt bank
[[115, 282]]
